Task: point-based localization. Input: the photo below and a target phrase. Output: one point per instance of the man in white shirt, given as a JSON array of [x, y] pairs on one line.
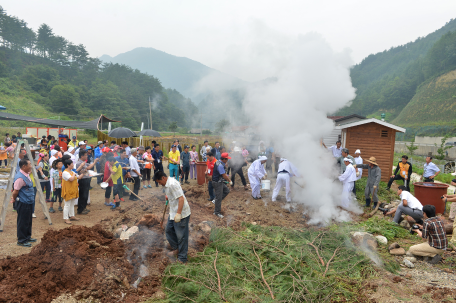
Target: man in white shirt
[[126, 148], [335, 149], [430, 170], [409, 206], [358, 160], [203, 150], [179, 215], [285, 172], [135, 172], [348, 179]]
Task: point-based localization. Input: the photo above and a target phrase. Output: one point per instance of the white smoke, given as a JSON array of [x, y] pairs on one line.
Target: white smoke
[[312, 81]]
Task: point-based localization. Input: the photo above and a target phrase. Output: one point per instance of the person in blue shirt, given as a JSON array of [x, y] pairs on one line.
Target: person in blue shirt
[[157, 154], [97, 154], [216, 151], [220, 188]]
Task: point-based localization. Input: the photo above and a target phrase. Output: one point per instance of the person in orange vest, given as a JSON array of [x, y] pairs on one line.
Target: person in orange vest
[[405, 169]]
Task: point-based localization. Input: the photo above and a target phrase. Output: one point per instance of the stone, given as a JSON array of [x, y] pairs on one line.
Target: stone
[[408, 276], [364, 239], [397, 251], [409, 254], [382, 240], [393, 246], [371, 244], [125, 235], [205, 227], [408, 263], [405, 224], [117, 232], [411, 259], [254, 223], [100, 268], [397, 279]]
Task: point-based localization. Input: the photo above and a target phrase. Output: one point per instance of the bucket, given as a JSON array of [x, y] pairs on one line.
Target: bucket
[[200, 170], [104, 185], [429, 193], [266, 184]]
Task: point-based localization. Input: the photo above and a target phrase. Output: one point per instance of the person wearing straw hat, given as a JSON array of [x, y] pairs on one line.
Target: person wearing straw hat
[[373, 180], [285, 172], [348, 179]]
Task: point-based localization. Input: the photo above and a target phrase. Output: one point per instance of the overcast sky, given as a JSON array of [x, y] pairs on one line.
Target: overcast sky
[[204, 30]]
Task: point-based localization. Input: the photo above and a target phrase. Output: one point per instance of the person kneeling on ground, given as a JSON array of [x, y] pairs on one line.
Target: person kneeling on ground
[[434, 229], [220, 188], [409, 206], [179, 215]]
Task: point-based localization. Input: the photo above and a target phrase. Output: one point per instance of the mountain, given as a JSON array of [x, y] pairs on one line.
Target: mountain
[[387, 81], [433, 104], [179, 73]]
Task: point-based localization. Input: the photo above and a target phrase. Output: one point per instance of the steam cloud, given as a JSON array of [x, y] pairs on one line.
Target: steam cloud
[[310, 81]]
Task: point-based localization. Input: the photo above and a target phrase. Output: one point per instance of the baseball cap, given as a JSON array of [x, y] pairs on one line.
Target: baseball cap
[[100, 142], [74, 137], [106, 150], [82, 143], [89, 147], [225, 155], [186, 146]]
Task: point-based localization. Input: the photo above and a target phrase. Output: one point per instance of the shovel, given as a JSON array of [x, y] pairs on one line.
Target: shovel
[[164, 213], [126, 187]]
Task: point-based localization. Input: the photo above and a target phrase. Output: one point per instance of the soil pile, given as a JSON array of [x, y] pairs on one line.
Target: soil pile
[[88, 262]]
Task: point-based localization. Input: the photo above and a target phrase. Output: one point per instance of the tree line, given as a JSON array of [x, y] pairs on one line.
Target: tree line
[[67, 81]]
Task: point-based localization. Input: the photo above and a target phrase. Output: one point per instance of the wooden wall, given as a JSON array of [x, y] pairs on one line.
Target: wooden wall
[[374, 140]]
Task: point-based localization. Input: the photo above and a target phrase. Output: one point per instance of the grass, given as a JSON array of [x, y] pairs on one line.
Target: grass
[[239, 267], [386, 228]]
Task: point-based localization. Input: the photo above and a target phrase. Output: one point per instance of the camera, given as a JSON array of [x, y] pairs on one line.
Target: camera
[[441, 197], [414, 227], [383, 210]]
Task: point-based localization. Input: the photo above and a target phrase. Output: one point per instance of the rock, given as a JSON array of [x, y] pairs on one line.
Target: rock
[[409, 254], [254, 223], [382, 240], [408, 276], [117, 232], [370, 243], [143, 271], [150, 220], [408, 263], [411, 259], [405, 224], [125, 235], [100, 268], [93, 244], [125, 282], [205, 227], [397, 279], [393, 246], [397, 251]]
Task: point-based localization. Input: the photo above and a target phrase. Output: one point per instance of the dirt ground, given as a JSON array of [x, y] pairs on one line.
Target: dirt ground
[[98, 266]]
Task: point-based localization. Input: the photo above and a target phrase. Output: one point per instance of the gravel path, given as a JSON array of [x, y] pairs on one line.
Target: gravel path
[[426, 274]]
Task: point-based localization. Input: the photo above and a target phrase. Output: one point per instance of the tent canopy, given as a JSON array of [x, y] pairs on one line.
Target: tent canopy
[[93, 124]]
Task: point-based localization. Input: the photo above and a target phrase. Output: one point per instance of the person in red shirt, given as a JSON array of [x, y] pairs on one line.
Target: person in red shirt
[[209, 170], [107, 173]]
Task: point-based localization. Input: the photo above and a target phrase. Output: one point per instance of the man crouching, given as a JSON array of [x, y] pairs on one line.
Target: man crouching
[[179, 215]]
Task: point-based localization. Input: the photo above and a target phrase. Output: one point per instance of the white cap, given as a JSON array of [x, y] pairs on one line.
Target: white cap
[[53, 152], [283, 159], [82, 143], [70, 149], [262, 158], [349, 160], [358, 152]]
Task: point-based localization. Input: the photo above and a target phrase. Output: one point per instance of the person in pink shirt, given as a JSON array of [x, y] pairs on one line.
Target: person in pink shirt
[[193, 159]]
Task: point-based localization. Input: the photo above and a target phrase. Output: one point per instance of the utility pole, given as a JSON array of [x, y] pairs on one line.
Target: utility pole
[[150, 114]]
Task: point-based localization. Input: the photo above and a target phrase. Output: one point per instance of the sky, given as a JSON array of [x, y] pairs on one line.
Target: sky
[[207, 31]]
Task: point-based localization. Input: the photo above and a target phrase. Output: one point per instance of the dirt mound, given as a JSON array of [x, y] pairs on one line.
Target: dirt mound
[[88, 262]]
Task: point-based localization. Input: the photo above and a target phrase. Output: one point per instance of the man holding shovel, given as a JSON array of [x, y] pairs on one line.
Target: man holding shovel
[[373, 180], [179, 215]]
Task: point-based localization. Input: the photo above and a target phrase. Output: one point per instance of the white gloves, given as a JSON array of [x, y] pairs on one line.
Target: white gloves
[[177, 218], [231, 183], [357, 173]]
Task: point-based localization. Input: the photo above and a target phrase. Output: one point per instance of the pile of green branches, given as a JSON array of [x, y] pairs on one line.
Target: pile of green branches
[[270, 264], [384, 227]]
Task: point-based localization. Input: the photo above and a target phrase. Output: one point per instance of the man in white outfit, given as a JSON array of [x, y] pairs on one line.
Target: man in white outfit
[[256, 172], [284, 174], [348, 179], [358, 160]]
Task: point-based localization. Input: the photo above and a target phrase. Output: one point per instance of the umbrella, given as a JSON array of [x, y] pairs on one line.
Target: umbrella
[[122, 132], [149, 133]]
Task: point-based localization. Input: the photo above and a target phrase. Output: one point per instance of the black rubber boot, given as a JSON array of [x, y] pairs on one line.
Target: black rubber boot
[[368, 202], [375, 204]]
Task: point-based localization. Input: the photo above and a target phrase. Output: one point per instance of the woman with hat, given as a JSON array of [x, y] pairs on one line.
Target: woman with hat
[[373, 180]]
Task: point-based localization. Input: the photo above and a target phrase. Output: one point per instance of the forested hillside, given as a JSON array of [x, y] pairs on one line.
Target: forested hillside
[[387, 81], [49, 73]]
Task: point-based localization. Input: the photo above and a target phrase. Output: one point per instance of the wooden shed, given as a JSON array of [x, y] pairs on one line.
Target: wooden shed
[[375, 138]]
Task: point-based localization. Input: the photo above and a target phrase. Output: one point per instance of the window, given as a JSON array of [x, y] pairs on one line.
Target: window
[[384, 134]]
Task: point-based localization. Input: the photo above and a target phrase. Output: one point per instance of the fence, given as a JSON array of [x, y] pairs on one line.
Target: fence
[[423, 149], [164, 142]]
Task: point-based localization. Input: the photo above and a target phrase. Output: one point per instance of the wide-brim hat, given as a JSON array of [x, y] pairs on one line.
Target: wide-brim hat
[[372, 160]]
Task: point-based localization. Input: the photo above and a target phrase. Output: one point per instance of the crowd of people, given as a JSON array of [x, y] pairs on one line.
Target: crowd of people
[[65, 176]]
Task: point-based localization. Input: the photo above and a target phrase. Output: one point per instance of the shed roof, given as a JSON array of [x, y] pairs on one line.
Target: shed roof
[[371, 120], [348, 117]]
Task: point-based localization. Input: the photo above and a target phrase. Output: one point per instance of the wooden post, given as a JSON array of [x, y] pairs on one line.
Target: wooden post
[[9, 186], [37, 183]]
